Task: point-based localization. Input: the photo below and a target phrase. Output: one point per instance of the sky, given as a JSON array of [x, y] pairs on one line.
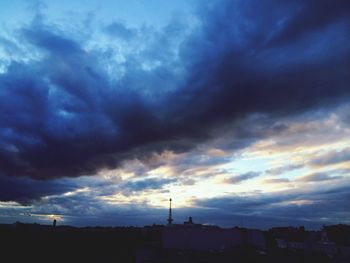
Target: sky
[[238, 110]]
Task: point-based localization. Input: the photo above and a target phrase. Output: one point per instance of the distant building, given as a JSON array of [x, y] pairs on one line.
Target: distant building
[[189, 222], [332, 241], [200, 238], [255, 238], [192, 236]]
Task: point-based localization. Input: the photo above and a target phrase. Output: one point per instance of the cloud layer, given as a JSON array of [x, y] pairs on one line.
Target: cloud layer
[[62, 115], [188, 97]]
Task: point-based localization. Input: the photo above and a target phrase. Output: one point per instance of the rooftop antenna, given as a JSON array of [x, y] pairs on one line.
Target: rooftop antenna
[[170, 218]]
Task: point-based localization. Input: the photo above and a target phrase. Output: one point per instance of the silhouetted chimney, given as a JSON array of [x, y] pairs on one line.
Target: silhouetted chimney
[[54, 223]]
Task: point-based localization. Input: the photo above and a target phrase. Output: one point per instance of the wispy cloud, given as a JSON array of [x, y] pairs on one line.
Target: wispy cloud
[[242, 177], [317, 177], [331, 158]]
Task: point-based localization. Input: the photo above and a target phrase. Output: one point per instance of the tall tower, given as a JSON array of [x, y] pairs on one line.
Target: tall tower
[[170, 218]]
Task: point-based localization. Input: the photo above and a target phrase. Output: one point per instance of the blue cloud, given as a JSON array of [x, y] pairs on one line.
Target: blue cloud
[[242, 177], [284, 207], [63, 115], [25, 190], [144, 184], [332, 157], [119, 30]]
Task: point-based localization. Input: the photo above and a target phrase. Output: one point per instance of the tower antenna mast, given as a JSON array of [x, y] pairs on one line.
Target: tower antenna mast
[[170, 218]]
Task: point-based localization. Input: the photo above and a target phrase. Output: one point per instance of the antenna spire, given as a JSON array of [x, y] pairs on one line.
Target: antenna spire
[[170, 218]]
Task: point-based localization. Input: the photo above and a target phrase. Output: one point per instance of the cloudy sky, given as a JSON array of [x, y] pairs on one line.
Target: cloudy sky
[[239, 110]]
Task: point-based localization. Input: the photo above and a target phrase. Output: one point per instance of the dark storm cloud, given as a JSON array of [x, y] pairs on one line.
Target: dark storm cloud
[[57, 118], [236, 75], [61, 115], [24, 190], [314, 15]]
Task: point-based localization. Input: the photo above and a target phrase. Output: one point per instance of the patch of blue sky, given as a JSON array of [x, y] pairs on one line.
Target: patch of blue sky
[[135, 13], [248, 164]]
